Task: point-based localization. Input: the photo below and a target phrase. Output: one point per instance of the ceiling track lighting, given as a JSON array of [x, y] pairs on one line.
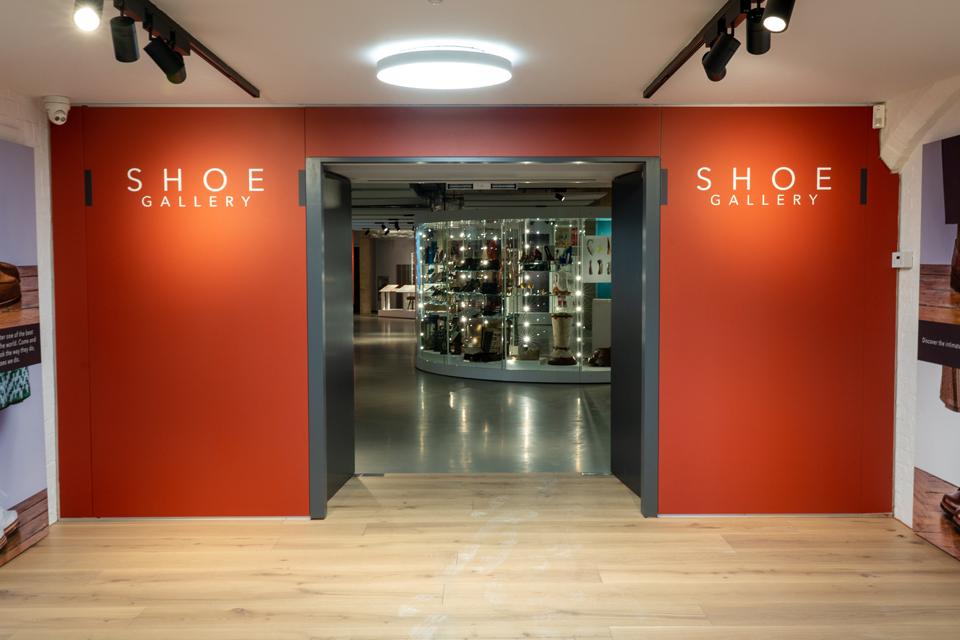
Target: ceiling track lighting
[[87, 14], [396, 225], [717, 36], [776, 16], [168, 59], [758, 37], [169, 42], [560, 195], [719, 54], [123, 31]]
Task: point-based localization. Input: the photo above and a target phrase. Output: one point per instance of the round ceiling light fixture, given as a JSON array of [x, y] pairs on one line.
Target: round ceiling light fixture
[[444, 69]]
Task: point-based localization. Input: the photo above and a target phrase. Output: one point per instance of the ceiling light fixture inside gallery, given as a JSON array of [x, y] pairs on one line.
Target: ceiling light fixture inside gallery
[[444, 69]]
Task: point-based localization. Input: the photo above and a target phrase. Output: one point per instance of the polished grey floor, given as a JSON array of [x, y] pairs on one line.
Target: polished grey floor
[[411, 421]]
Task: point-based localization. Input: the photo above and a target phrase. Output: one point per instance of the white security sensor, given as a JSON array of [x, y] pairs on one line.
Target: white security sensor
[[57, 108]]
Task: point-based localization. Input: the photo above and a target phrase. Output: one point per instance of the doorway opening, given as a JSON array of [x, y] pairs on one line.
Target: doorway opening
[[489, 314]]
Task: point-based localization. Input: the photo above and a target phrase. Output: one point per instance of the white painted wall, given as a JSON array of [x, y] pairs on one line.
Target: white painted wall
[[23, 121]]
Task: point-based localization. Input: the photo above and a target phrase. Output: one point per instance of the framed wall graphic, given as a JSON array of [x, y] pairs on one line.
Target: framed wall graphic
[[23, 480], [597, 251], [936, 516]]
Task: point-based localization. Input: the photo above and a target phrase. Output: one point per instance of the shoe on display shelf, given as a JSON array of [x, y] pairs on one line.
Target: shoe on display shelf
[[951, 503], [456, 345], [528, 352], [600, 358]]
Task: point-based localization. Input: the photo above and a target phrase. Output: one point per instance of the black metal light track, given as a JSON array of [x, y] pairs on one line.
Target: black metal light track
[[731, 14], [182, 41]]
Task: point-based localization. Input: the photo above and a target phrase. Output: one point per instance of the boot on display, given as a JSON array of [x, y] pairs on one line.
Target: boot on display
[[560, 355]]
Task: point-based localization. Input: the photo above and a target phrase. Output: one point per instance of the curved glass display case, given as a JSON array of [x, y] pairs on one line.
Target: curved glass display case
[[515, 299]]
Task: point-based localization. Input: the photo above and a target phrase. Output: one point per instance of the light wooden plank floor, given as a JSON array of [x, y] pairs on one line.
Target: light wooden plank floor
[[431, 557]]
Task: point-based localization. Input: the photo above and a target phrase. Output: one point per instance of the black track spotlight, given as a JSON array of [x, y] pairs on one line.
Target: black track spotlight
[[716, 58], [560, 195], [396, 225], [366, 232], [123, 29], [86, 14], [758, 37], [169, 61], [776, 16]]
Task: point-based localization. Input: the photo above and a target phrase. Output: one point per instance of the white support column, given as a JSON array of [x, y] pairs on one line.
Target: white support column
[[908, 310]]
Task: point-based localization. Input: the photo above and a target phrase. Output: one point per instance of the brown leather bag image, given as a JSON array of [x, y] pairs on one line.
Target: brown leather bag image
[[9, 284]]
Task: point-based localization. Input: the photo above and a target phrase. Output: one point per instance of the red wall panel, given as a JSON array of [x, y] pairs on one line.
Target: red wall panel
[[777, 321], [73, 360], [496, 131], [197, 315]]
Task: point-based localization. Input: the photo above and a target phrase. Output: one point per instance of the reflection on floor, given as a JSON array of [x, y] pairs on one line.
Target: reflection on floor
[[928, 519], [410, 421]]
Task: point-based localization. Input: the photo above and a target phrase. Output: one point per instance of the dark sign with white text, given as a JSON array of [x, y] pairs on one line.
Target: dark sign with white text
[[19, 347], [939, 343]]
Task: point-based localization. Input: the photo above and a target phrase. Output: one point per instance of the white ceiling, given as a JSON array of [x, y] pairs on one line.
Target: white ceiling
[[567, 51]]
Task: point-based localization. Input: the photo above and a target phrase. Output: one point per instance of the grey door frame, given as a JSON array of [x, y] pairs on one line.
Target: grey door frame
[[319, 272]]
